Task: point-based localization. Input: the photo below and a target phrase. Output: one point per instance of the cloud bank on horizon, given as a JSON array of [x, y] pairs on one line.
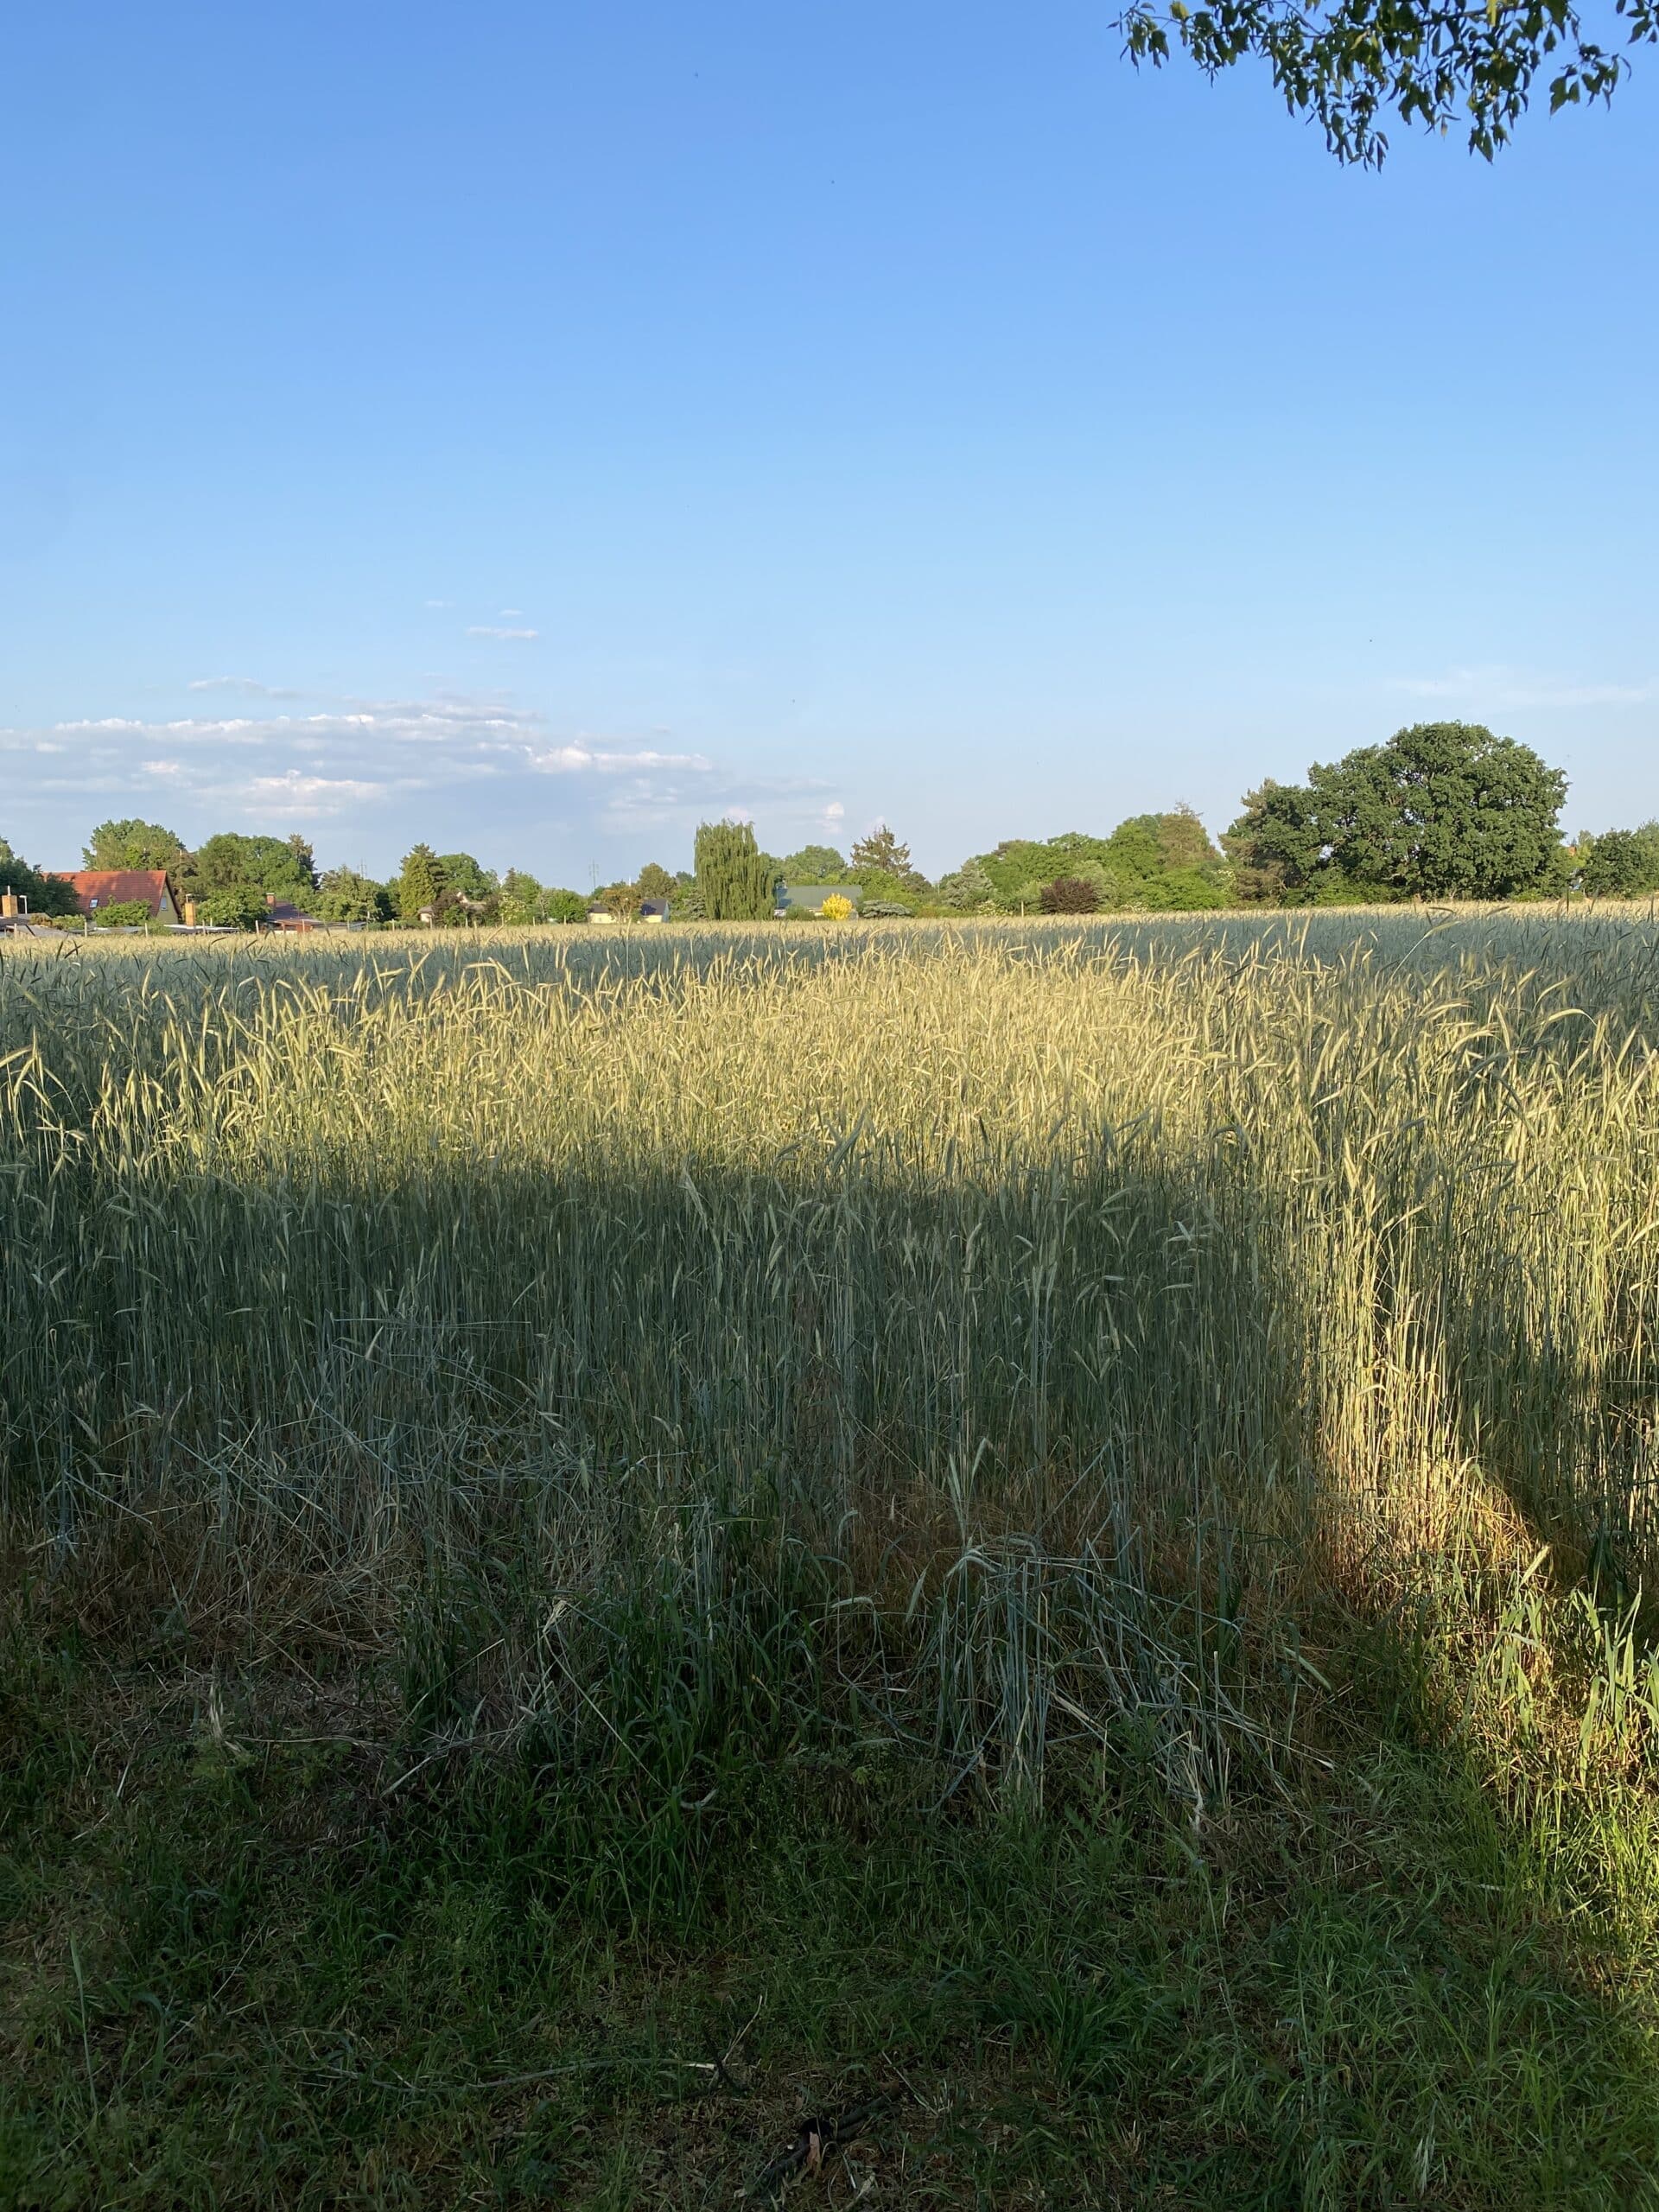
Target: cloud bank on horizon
[[382, 771]]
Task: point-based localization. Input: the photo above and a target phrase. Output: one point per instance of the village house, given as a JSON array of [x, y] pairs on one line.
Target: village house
[[283, 914], [809, 897], [98, 889]]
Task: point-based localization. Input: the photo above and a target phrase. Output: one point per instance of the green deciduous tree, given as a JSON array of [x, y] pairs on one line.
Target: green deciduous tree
[[1353, 65], [880, 887], [813, 864], [735, 880], [343, 895], [1182, 841], [654, 881], [456, 911], [46, 894], [620, 901], [1274, 845], [1442, 810], [468, 877], [564, 906], [233, 906], [132, 843], [1620, 863], [1159, 862], [1164, 864], [520, 899], [282, 866]]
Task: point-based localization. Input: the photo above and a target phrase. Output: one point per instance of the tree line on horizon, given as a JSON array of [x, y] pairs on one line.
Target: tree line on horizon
[[1441, 810]]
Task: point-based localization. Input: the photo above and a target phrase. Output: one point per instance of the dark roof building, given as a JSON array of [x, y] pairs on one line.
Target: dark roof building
[[283, 914], [809, 897]]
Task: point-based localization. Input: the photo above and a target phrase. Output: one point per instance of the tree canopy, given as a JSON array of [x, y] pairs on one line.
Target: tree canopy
[[135, 844], [1353, 65], [1441, 810], [1620, 863], [1153, 862], [1069, 894], [735, 880], [285, 866], [814, 864], [467, 878], [344, 895], [882, 864], [421, 883], [233, 906], [620, 901], [46, 895]]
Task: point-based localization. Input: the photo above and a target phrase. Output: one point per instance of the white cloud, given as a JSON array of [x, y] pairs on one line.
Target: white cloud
[[245, 684], [356, 754], [236, 729], [391, 767], [292, 794], [1498, 688], [507, 613], [574, 758], [502, 636]]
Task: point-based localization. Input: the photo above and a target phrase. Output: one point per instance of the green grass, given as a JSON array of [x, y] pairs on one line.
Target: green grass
[[1033, 1537], [259, 1980]]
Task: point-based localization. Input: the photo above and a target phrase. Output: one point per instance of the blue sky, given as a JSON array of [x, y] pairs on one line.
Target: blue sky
[[536, 427]]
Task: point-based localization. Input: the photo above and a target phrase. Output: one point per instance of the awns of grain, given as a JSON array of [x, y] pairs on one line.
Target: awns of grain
[[1001, 1382]]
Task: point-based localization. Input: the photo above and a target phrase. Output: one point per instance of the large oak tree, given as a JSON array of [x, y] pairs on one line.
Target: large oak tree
[[1442, 810]]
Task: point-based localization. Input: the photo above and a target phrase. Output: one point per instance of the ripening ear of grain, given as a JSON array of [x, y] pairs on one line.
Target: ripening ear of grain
[[1049, 1319]]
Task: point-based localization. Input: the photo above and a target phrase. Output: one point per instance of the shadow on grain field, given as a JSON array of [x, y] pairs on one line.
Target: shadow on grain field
[[473, 1743]]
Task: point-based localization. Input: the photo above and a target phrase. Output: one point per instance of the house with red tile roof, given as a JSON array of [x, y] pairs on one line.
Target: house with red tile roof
[[98, 888]]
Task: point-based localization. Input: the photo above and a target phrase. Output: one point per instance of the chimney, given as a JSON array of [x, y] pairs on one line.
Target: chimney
[[189, 913], [8, 904]]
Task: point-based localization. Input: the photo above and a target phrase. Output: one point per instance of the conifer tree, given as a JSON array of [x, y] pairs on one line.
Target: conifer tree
[[420, 883]]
